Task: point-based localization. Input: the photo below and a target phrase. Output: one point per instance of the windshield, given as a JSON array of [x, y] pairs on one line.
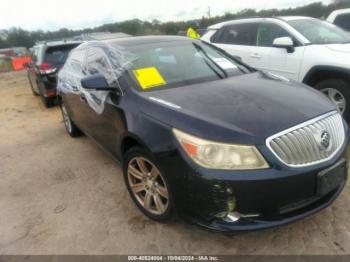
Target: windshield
[[172, 64], [320, 32]]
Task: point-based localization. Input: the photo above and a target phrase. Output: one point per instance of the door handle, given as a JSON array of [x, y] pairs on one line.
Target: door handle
[[255, 55], [83, 98]]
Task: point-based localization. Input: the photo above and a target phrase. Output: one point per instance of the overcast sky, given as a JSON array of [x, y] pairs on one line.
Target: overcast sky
[[78, 14]]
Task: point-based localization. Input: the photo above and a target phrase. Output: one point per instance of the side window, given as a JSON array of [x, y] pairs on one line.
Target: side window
[[216, 37], [97, 63], [237, 34], [267, 32], [76, 60], [343, 21]]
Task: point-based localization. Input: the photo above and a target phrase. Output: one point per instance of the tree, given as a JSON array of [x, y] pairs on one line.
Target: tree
[[341, 1], [20, 37]]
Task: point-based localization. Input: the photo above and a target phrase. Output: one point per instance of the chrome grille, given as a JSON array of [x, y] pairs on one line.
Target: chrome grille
[[312, 142]]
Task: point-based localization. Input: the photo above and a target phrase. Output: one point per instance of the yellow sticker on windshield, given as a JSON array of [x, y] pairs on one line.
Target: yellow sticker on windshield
[[149, 77]]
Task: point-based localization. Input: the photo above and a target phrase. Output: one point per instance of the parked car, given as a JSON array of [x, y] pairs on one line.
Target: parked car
[[204, 136], [305, 49], [48, 58], [341, 18]]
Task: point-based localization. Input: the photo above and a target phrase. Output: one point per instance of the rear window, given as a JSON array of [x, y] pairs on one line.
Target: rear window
[[343, 21], [58, 54]]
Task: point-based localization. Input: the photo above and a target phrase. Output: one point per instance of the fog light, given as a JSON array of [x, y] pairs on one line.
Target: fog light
[[231, 217]]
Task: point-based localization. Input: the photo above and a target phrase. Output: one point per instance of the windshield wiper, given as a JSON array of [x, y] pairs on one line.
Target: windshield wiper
[[198, 47], [238, 61]]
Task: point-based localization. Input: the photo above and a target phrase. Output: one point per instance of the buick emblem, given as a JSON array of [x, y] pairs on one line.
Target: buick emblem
[[325, 139]]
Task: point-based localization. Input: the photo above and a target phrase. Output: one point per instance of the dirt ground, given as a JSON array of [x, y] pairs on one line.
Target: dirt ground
[[60, 195]]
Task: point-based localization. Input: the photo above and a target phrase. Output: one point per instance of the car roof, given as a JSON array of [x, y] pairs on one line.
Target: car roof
[[335, 13], [290, 18], [140, 40], [57, 43], [341, 11], [257, 19], [235, 21]]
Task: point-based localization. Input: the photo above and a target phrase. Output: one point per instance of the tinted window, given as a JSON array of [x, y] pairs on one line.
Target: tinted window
[[238, 34], [268, 32], [58, 54], [76, 60], [343, 21]]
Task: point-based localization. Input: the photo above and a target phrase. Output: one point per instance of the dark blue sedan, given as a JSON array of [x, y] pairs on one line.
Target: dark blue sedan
[[202, 135]]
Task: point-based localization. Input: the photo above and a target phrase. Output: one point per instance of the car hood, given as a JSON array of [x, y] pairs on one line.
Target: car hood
[[244, 109], [343, 48]]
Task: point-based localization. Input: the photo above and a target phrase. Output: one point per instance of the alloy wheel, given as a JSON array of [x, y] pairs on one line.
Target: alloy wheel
[[336, 97], [148, 185], [66, 119]]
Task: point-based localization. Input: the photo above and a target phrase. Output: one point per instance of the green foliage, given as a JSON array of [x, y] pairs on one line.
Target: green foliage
[[5, 66], [20, 37]]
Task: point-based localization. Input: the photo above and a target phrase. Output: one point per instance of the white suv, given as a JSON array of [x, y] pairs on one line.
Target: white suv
[[305, 49]]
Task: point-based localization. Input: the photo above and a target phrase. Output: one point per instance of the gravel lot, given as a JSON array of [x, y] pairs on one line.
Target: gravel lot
[[60, 195]]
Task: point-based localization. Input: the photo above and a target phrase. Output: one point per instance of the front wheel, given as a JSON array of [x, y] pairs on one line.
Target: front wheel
[[147, 185], [48, 101], [338, 91]]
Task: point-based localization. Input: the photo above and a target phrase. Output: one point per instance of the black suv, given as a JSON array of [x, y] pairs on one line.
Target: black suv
[[48, 58]]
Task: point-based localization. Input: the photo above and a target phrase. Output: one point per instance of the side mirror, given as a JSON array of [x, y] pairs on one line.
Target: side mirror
[[284, 42], [96, 82]]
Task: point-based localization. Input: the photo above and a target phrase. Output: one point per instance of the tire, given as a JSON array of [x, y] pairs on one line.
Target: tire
[[338, 91], [71, 128], [48, 101], [32, 88], [155, 186]]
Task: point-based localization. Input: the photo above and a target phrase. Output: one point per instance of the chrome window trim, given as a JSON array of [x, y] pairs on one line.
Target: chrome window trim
[[304, 124]]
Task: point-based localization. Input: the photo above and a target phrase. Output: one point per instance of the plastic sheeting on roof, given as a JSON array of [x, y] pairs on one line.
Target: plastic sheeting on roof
[[112, 65]]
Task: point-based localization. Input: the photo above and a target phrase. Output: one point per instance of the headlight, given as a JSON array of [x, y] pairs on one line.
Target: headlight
[[214, 155]]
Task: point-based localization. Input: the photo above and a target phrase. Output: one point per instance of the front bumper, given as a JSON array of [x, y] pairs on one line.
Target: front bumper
[[251, 224], [274, 196]]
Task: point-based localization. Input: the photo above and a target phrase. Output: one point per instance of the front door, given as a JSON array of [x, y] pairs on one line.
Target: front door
[[74, 97], [273, 59], [104, 121]]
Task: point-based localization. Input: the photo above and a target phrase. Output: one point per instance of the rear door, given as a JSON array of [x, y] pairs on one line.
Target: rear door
[[239, 40]]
